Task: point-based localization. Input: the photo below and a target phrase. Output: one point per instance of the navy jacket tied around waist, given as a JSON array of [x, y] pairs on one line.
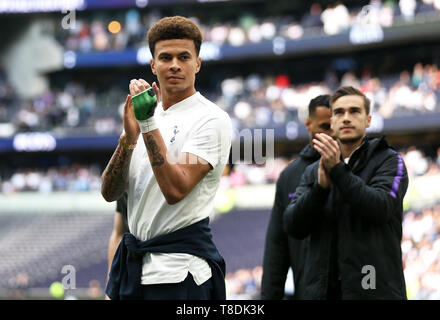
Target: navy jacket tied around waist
[[196, 239]]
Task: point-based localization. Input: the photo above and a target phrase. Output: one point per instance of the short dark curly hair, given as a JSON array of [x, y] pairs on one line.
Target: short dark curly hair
[[176, 27], [319, 101]]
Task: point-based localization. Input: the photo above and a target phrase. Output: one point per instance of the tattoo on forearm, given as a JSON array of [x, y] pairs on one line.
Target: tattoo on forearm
[[154, 151], [115, 176]]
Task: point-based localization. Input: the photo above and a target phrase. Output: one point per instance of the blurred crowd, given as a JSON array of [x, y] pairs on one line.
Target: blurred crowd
[[419, 164], [128, 28], [421, 253], [256, 101], [76, 177], [72, 107], [66, 178], [244, 284]]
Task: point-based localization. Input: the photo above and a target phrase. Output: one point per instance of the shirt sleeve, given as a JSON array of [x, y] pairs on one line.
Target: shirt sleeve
[[211, 140]]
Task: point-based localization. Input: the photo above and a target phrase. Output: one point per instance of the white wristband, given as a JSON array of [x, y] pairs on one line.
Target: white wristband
[[147, 125]]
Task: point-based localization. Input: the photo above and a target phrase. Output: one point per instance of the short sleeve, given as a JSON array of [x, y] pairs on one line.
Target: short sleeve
[[211, 140]]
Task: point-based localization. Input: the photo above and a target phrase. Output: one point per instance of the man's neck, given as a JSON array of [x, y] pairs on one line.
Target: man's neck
[[171, 98], [348, 148]]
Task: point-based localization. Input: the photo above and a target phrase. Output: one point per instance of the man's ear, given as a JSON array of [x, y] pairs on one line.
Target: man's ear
[[308, 122], [368, 121], [153, 67], [199, 64]]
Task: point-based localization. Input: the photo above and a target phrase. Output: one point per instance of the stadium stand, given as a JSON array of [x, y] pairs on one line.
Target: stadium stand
[[253, 101], [93, 34], [36, 247]]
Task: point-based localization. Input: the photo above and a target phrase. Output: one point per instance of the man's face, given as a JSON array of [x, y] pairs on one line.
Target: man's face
[[175, 64], [319, 122], [349, 119]]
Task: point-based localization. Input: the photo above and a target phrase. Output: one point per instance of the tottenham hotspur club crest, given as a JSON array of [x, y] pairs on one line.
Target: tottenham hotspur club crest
[[175, 131]]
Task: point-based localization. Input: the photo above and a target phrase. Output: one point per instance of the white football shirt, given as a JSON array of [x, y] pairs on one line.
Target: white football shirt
[[194, 125]]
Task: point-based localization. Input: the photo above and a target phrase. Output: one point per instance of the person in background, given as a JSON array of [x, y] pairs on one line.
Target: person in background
[[350, 205], [282, 251]]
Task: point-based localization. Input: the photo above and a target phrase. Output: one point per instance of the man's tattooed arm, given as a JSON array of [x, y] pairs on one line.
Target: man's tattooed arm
[[115, 176], [154, 151], [175, 177]]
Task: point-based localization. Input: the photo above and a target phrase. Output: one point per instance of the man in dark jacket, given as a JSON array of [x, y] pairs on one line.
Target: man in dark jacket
[[282, 251], [349, 203]]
